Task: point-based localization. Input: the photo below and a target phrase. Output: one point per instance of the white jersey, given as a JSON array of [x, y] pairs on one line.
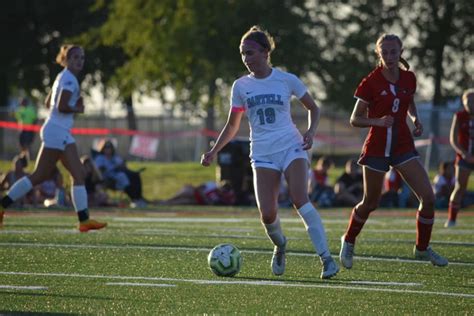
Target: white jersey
[[65, 80], [267, 105]]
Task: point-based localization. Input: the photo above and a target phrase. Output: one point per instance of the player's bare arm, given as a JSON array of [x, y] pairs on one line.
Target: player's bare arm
[[228, 132], [418, 131], [313, 120], [359, 117], [63, 104]]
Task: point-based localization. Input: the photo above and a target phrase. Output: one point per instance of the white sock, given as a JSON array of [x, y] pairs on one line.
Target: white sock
[[314, 227], [79, 197], [20, 188], [275, 233]]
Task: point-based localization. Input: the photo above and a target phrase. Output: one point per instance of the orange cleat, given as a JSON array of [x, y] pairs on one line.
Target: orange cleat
[[90, 224]]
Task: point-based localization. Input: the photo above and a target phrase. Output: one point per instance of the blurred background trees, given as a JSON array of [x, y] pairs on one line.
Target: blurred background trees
[[185, 52]]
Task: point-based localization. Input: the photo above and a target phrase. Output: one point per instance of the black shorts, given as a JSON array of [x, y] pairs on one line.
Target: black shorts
[[383, 164], [466, 165], [26, 138]]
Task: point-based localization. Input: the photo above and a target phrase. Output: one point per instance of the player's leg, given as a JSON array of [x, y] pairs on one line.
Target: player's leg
[[297, 177], [416, 177], [266, 185], [455, 200], [71, 161], [373, 181]]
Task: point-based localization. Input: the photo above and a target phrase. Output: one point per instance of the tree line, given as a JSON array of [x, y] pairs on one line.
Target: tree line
[[191, 46]]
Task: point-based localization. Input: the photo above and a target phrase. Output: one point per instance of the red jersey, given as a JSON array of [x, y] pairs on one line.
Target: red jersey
[[465, 132], [386, 98]]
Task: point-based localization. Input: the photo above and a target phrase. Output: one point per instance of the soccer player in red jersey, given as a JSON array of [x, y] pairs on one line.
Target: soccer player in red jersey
[[384, 98], [462, 141]]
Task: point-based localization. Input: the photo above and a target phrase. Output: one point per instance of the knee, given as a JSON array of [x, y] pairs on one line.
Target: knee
[[300, 202], [268, 216], [427, 200], [299, 199], [78, 178], [368, 205]]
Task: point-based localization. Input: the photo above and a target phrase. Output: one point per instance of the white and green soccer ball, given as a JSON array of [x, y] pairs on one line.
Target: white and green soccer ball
[[225, 260]]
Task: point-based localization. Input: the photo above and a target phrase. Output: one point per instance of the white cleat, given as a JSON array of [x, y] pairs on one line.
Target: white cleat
[[449, 223], [279, 259], [330, 267], [430, 255], [347, 253]]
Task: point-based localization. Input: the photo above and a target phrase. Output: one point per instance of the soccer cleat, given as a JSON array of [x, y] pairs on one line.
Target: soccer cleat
[[430, 255], [450, 223], [279, 259], [346, 254], [90, 224], [330, 268]]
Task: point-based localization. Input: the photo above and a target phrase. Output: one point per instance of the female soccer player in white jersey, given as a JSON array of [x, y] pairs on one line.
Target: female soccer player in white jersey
[[276, 144], [63, 101]]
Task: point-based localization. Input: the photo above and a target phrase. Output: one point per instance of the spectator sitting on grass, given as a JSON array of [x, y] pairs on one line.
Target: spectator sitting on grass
[[319, 189], [51, 191], [208, 193], [117, 176], [94, 183], [19, 163], [349, 186], [443, 184]]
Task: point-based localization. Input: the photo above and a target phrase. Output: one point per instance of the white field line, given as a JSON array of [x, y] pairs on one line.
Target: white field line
[[181, 220], [242, 282], [200, 249], [386, 283], [411, 241], [255, 219], [140, 284], [19, 287]]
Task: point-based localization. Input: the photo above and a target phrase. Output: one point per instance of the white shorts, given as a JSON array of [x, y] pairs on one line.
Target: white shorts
[[280, 160], [56, 137]]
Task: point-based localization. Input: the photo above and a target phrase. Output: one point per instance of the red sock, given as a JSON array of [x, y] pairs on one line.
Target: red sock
[[453, 210], [355, 226], [424, 226]]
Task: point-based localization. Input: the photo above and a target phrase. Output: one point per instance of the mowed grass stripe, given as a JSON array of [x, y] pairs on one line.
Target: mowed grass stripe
[[201, 249], [244, 282]]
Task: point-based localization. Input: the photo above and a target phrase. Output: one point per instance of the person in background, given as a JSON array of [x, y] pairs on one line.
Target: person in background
[[51, 192], [57, 143], [19, 164], [277, 147], [349, 186], [26, 114], [384, 98], [462, 140], [443, 184], [320, 191], [396, 193], [117, 176], [94, 182], [208, 193]]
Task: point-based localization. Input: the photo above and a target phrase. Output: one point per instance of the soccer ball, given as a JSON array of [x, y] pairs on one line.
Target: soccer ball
[[225, 260]]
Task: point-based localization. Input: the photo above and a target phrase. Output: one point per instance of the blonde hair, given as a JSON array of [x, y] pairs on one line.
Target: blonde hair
[[64, 53], [262, 37], [391, 37], [466, 93]]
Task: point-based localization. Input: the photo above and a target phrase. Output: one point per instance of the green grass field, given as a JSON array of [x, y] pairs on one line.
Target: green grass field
[[155, 262]]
